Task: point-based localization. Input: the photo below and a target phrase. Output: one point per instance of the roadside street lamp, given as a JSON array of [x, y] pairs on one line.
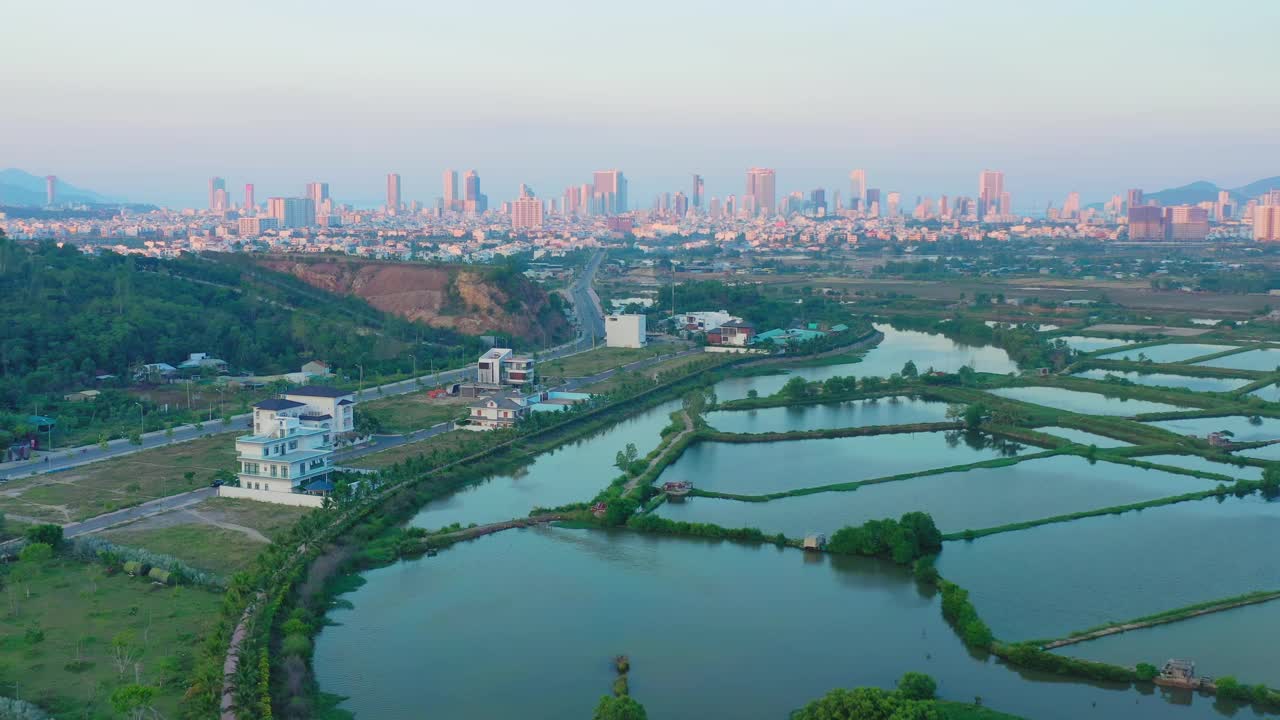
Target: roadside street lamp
[[360, 392], [142, 416]]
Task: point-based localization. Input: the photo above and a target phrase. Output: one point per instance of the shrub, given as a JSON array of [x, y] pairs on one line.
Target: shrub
[[48, 534], [1146, 671], [36, 553], [917, 686]]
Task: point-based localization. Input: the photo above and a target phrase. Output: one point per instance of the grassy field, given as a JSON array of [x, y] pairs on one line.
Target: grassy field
[[219, 535], [405, 413], [652, 371], [598, 360], [57, 632], [101, 487], [391, 456]]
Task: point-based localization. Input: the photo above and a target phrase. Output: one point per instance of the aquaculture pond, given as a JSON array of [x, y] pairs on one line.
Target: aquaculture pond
[[766, 467], [926, 350], [1242, 427], [855, 413], [526, 624], [1083, 402], [1083, 343], [969, 500], [1082, 437], [1190, 382], [1168, 353], [1195, 462], [1054, 579], [1266, 452], [1239, 642], [1265, 359], [1270, 393], [571, 473]]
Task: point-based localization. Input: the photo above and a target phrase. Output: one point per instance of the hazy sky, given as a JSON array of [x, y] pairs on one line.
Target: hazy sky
[[148, 98]]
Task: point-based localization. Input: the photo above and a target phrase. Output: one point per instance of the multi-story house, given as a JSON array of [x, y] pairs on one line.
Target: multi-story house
[[501, 366]]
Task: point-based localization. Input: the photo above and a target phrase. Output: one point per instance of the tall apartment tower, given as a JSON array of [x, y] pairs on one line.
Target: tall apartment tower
[[249, 202], [526, 211], [1266, 223], [611, 187], [990, 191], [393, 192], [474, 201], [216, 184], [760, 190], [318, 192], [50, 189], [698, 189], [451, 199], [1135, 198], [858, 190]]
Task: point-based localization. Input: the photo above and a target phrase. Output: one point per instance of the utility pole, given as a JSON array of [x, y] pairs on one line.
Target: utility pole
[[142, 415], [360, 392]]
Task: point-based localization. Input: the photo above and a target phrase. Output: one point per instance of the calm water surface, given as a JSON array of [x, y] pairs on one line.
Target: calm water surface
[[758, 468], [1190, 382], [1054, 579], [973, 499], [1083, 402], [1195, 462], [1239, 642], [1243, 428], [524, 624], [855, 413], [1267, 359], [1084, 343], [1082, 437], [1171, 353]]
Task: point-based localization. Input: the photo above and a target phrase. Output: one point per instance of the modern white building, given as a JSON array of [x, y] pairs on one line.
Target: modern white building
[[326, 407], [286, 460], [501, 366], [625, 331], [704, 321]]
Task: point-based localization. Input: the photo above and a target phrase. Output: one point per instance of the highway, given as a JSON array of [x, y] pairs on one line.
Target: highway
[[586, 309]]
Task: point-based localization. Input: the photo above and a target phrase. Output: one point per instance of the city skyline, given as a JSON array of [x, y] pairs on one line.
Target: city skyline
[[1058, 120]]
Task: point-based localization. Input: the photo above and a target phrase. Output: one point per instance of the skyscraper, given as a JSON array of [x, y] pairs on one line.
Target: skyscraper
[[858, 190], [990, 190], [249, 202], [1135, 198], [1071, 208], [697, 191], [318, 192], [680, 204], [50, 189], [893, 203], [526, 211], [215, 184], [393, 192], [1186, 223], [611, 187], [1266, 223], [474, 202], [760, 190], [450, 190], [292, 212], [1146, 222], [873, 202]]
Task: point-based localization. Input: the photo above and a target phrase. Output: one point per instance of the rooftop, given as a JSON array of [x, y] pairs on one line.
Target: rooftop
[[278, 404]]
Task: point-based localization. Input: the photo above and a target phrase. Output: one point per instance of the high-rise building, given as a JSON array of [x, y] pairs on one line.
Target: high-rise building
[[858, 190], [249, 202], [216, 184], [221, 200], [1186, 223], [1224, 207], [990, 190], [393, 192], [943, 210], [680, 204], [610, 187], [872, 206], [526, 211], [1006, 204], [893, 203], [318, 192], [1071, 208], [760, 191], [451, 199], [697, 191], [1266, 223], [1135, 198], [50, 189], [474, 202], [292, 212], [818, 201], [1146, 223]]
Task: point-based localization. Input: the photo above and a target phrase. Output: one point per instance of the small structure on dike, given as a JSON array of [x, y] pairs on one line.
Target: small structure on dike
[[1181, 674], [677, 489], [815, 541]]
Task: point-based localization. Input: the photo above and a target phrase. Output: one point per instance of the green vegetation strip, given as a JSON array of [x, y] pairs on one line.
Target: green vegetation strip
[[726, 437], [1167, 369]]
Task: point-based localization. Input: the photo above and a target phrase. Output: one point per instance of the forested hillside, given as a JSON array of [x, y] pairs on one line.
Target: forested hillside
[[69, 317]]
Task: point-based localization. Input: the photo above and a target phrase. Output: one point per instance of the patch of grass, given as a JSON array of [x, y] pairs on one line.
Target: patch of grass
[[612, 383], [965, 711], [445, 441], [205, 547], [266, 518], [71, 672], [109, 485], [598, 360], [414, 411]]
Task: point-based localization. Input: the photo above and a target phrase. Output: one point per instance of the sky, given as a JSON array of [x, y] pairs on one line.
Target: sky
[[146, 99]]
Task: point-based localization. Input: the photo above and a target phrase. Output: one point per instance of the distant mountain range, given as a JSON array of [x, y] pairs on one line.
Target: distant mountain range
[[19, 187], [1205, 191]]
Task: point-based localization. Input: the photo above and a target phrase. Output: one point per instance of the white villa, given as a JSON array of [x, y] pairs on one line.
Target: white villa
[[289, 456], [501, 366]]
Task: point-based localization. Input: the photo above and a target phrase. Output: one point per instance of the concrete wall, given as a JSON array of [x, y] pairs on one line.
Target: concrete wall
[[733, 349], [279, 498], [626, 331]]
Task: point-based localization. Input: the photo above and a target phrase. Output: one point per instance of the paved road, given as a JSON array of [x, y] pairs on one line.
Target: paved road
[[586, 309]]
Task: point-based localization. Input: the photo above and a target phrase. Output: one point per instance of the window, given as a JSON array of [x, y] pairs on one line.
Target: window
[[284, 471], [266, 451], [293, 444], [273, 471]]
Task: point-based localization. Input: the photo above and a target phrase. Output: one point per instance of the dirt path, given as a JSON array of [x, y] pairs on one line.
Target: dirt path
[[1126, 627], [688, 428], [475, 532]]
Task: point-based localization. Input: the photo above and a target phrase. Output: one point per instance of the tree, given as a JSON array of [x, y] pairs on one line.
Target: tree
[[133, 700], [753, 394], [47, 534], [36, 553], [796, 388], [367, 424], [1146, 671], [909, 369], [973, 415], [135, 438], [619, 708], [917, 686], [626, 457]]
